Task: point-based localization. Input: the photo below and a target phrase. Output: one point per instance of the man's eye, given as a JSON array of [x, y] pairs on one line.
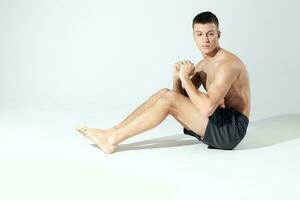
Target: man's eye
[[199, 34]]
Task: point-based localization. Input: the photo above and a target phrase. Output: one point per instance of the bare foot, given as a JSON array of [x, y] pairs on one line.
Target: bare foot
[[100, 137]]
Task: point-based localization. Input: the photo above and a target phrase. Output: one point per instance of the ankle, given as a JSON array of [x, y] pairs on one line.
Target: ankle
[[111, 137], [109, 130]]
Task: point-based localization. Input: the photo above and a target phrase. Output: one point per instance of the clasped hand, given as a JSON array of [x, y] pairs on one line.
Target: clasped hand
[[184, 69]]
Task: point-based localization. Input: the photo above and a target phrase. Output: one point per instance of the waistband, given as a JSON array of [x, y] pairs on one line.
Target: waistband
[[240, 113]]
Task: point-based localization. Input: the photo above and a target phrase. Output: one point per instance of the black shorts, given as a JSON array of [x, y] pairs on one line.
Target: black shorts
[[225, 129]]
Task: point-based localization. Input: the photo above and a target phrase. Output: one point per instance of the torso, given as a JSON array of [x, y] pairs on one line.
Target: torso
[[238, 96]]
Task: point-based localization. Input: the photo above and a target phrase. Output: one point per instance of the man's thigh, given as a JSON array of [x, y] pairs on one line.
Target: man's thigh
[[186, 113]]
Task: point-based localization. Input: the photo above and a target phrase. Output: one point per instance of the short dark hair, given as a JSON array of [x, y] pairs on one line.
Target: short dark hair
[[206, 17]]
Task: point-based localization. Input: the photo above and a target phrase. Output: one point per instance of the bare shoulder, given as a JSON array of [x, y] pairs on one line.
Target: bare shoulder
[[229, 61], [228, 68], [230, 58]]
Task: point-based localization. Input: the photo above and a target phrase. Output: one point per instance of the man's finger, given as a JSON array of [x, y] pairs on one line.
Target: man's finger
[[189, 62], [181, 64]]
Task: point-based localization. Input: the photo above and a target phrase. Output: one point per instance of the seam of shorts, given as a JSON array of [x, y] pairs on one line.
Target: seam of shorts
[[206, 130]]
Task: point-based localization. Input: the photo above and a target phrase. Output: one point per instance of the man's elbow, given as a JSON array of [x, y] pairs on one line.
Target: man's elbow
[[210, 110], [208, 113]]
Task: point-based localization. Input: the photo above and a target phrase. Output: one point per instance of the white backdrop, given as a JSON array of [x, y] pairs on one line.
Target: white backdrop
[[114, 54]]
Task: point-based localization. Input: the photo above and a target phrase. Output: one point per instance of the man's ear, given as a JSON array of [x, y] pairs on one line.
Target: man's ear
[[219, 34]]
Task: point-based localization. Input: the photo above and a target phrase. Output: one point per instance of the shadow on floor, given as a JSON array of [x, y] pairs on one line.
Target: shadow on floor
[[260, 133], [161, 142], [271, 131]]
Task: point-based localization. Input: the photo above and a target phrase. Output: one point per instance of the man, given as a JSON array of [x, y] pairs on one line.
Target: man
[[219, 117]]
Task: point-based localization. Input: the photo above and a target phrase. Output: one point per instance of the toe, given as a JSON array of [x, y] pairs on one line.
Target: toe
[[81, 128], [84, 129]]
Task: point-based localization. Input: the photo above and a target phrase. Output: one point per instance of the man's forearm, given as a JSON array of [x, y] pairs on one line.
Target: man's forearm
[[177, 86], [199, 99]]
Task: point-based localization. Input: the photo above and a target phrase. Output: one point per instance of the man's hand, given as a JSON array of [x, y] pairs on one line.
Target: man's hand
[[176, 68], [187, 69]]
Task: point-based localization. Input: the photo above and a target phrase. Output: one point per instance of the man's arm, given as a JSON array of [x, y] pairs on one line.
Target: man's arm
[[196, 81], [207, 103], [177, 86]]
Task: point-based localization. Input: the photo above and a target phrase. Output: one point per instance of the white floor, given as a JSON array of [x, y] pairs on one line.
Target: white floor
[[42, 157]]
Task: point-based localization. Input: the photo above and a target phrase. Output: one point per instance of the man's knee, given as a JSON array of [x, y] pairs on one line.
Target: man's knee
[[159, 93], [169, 97], [164, 93], [164, 90]]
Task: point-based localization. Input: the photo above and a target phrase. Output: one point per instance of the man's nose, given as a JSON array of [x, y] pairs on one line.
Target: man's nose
[[206, 40]]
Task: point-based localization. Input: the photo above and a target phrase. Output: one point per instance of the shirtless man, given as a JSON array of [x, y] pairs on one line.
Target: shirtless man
[[218, 118]]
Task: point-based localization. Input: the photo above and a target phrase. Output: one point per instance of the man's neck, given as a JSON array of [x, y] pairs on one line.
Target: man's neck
[[211, 55]]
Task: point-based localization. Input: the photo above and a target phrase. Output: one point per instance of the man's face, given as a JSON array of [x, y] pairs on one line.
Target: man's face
[[206, 37]]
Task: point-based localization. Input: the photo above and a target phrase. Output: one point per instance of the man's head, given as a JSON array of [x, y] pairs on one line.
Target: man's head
[[206, 32]]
